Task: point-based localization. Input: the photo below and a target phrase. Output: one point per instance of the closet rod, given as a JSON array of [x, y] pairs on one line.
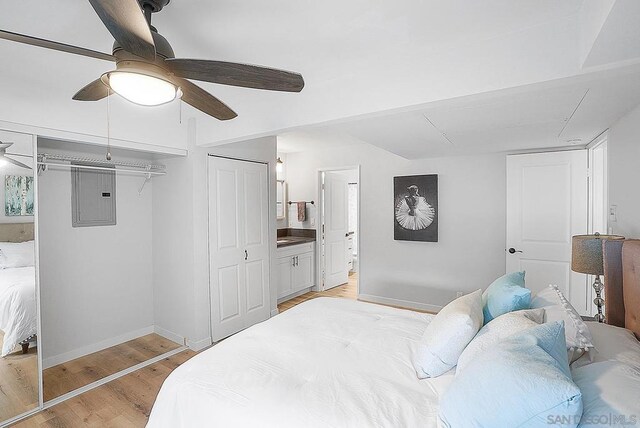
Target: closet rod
[[44, 157], [60, 161], [115, 168]]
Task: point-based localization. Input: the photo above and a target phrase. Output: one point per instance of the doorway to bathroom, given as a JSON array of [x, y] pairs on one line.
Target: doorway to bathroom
[[338, 229]]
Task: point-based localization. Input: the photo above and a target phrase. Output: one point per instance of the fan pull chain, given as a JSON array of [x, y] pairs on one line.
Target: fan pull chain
[[180, 102], [108, 156]]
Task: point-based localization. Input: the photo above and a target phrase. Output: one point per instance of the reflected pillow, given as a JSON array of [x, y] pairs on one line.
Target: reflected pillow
[[522, 382], [448, 334], [17, 254], [557, 307], [505, 294], [498, 329], [610, 394]]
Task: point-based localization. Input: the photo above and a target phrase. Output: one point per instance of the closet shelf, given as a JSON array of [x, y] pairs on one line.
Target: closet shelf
[[46, 160]]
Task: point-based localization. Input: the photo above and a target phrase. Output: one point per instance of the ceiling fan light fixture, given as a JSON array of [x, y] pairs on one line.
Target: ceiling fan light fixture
[[141, 88]]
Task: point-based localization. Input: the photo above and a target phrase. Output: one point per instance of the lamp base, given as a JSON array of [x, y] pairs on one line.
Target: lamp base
[[599, 301]]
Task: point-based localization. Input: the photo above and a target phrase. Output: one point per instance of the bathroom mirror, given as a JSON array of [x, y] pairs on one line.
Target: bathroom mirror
[[281, 191], [19, 338]]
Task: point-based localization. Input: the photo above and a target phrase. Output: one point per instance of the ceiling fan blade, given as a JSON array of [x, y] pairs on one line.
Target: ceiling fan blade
[[94, 91], [15, 162], [48, 44], [126, 22], [203, 100], [244, 75]]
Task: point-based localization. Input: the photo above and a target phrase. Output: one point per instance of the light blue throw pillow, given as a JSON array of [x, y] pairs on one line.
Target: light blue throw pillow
[[523, 382], [505, 294]]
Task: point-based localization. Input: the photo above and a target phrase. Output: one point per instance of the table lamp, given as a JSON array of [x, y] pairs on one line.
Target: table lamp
[[586, 257]]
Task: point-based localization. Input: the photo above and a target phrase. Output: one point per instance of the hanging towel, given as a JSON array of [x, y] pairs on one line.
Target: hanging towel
[[302, 211]]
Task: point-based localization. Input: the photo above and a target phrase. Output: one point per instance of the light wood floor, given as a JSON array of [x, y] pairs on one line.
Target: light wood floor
[[345, 291], [18, 382], [63, 378], [124, 402]]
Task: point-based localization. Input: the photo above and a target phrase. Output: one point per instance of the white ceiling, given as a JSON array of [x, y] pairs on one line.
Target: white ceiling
[[550, 115], [394, 62]]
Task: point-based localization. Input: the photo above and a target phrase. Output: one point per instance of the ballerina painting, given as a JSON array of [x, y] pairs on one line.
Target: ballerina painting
[[416, 204]]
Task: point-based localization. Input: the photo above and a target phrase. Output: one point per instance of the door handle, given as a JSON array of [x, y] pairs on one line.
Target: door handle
[[297, 261], [513, 250], [246, 255]]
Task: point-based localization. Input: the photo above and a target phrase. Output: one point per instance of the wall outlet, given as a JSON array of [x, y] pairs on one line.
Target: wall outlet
[[459, 294], [613, 213]]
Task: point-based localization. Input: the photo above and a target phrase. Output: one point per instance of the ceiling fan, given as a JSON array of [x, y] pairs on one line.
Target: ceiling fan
[[147, 71], [5, 159]]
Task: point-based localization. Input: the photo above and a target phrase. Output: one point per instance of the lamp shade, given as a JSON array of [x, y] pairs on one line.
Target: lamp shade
[[586, 253]]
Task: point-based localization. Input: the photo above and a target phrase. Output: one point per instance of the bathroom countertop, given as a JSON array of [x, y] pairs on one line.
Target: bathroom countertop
[[287, 241], [288, 237]]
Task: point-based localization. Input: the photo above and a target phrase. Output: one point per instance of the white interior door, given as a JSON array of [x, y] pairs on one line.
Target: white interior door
[[546, 206], [238, 245], [336, 228]]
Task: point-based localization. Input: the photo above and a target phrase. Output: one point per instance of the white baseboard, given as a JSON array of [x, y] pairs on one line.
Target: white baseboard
[[95, 347], [174, 337], [199, 345], [397, 302], [275, 312]]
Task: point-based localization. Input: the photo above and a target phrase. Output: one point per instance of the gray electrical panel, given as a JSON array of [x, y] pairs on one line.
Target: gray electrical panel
[[93, 197]]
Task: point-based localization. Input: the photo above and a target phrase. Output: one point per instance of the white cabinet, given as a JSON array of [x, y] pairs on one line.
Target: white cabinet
[[296, 268], [285, 276], [350, 252]]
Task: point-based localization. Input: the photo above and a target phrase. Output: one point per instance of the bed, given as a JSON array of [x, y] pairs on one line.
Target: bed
[[304, 357], [18, 316], [339, 363]]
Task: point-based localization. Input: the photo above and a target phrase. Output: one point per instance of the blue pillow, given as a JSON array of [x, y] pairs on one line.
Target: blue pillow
[[505, 294], [523, 382]]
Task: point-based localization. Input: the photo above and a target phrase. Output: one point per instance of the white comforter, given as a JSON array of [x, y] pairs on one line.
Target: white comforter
[[325, 363], [17, 306]]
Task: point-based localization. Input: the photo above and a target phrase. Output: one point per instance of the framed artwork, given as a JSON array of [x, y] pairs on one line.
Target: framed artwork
[[18, 195], [415, 208]]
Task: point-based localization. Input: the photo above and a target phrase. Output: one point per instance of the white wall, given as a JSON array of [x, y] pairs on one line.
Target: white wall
[[470, 251], [96, 282], [624, 173], [173, 251], [22, 144], [181, 265]]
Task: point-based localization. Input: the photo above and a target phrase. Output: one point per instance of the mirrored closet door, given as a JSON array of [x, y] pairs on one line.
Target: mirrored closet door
[[96, 268], [19, 338]]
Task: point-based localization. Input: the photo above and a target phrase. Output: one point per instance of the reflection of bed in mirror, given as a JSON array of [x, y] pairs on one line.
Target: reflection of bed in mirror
[[18, 318]]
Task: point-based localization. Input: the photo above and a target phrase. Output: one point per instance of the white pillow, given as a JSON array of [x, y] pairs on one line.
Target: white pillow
[[498, 329], [611, 344], [556, 308], [17, 254], [610, 394], [448, 334]]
